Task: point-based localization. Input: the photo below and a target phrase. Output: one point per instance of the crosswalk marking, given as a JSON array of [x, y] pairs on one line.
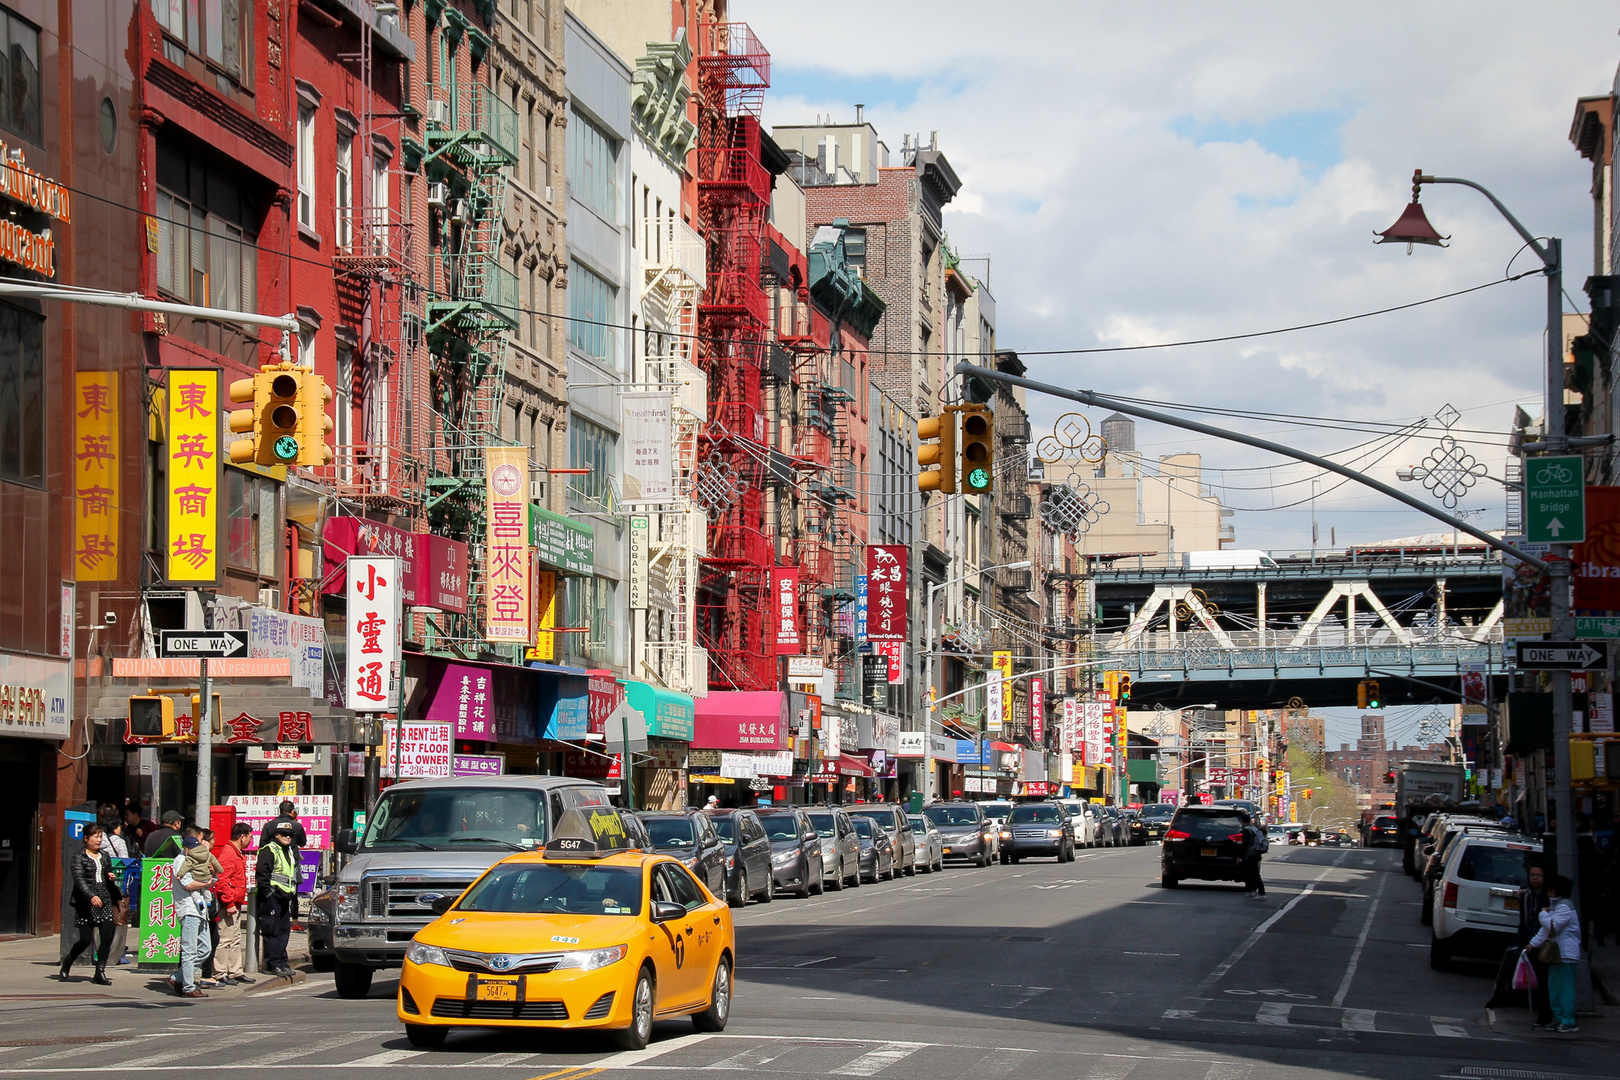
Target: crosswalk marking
[[1359, 1020], [306, 1049], [192, 1049], [387, 1057], [753, 1057], [63, 1055], [1000, 1063], [1113, 1068], [1228, 1070], [1273, 1013], [875, 1061], [495, 1061], [1448, 1026]]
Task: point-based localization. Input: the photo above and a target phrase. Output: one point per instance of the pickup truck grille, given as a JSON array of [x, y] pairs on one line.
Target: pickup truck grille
[[394, 898]]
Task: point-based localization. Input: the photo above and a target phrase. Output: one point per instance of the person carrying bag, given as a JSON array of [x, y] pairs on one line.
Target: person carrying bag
[[1558, 945]]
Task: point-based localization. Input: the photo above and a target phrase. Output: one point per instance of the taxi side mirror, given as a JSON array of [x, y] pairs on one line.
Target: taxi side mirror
[[442, 904], [667, 911], [345, 841]]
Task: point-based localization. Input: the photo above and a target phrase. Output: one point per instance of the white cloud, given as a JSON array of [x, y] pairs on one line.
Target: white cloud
[[1107, 227]]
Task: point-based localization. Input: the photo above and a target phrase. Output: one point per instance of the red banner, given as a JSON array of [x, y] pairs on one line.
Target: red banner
[[1037, 711], [604, 692], [1597, 561], [886, 592], [785, 609], [435, 567]]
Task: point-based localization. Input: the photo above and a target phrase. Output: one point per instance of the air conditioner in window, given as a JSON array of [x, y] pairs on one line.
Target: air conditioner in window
[[537, 490], [438, 112], [438, 194], [270, 598], [460, 211]]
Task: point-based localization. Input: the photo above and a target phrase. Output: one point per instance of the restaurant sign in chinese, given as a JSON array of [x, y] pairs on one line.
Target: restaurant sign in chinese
[[785, 609], [886, 592], [561, 542], [95, 476], [1037, 711], [192, 542], [508, 603], [433, 568], [371, 661]]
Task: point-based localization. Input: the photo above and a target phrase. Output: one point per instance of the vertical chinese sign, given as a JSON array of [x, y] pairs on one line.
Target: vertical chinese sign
[[507, 600], [545, 616], [374, 610], [160, 923], [785, 609], [1001, 662], [194, 476], [95, 476], [1037, 711], [886, 592]]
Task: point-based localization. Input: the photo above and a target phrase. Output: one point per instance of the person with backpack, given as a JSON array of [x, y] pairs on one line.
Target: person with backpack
[[1255, 844]]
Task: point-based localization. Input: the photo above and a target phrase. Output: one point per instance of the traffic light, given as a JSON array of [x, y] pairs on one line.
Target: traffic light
[[288, 424], [1389, 777], [1124, 688], [1361, 694], [1306, 793], [978, 448], [942, 453], [1375, 700], [151, 716], [218, 715]]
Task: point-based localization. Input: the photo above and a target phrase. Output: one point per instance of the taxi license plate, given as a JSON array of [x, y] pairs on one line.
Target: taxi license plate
[[497, 991], [1208, 853]]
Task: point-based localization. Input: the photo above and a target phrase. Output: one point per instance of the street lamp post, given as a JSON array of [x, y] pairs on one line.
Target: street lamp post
[[1413, 228], [928, 677]]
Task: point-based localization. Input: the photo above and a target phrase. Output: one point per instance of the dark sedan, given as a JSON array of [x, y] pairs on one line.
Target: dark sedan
[[877, 850], [748, 856], [691, 839], [1204, 842], [795, 851], [963, 831], [1037, 829], [1149, 825]]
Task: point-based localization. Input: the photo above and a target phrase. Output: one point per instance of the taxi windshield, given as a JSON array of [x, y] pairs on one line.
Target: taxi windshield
[[458, 817], [556, 889]]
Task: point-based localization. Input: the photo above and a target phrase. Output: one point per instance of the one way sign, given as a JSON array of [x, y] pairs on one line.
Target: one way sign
[[191, 644], [1562, 655]]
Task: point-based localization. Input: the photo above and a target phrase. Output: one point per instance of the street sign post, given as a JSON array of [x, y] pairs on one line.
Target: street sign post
[[195, 644], [1555, 500], [1562, 655]]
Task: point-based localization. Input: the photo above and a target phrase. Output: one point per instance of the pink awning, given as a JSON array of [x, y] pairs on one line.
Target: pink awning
[[741, 720]]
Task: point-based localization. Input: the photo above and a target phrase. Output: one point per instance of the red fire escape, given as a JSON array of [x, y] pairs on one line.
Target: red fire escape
[[734, 195]]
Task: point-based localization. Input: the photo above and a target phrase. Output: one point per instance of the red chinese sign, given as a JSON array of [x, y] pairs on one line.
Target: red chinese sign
[[373, 640], [1037, 711], [785, 609], [886, 592]]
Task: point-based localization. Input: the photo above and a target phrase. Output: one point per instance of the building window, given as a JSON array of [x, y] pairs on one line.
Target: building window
[[204, 259], [251, 528], [344, 193], [592, 305], [219, 31], [594, 447], [306, 165], [591, 601], [593, 167], [306, 347], [22, 396], [19, 76]]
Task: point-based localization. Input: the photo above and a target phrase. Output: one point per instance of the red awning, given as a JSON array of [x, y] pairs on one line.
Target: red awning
[[1005, 748], [850, 765]]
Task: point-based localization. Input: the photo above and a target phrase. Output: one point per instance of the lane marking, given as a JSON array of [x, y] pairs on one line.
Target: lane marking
[[637, 1057], [875, 1061], [1254, 937], [1361, 943]]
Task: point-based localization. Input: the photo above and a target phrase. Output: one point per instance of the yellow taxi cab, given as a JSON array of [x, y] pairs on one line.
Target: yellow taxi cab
[[585, 934]]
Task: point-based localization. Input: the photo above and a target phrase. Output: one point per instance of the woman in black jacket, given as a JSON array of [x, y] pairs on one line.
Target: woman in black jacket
[[95, 896]]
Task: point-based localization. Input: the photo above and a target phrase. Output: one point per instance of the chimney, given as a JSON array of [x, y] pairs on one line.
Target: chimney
[[860, 111], [933, 140]]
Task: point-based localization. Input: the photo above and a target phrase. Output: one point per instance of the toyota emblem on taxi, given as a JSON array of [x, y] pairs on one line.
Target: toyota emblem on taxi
[[500, 963]]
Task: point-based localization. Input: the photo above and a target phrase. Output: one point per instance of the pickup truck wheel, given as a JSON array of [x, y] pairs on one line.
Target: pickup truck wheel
[[322, 961], [352, 980]]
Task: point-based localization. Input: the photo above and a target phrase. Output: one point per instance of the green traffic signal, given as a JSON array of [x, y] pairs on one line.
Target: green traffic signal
[[286, 448], [978, 479]]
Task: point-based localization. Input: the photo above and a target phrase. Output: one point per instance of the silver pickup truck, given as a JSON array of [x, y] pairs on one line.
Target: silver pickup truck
[[425, 839]]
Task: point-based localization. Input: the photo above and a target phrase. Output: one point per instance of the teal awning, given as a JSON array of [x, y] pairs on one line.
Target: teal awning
[[670, 714]]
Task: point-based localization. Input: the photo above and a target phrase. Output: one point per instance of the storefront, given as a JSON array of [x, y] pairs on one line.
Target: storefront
[[521, 716], [36, 707], [660, 773], [734, 723]]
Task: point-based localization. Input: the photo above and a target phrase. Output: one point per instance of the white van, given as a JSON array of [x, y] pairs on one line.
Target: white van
[[1230, 559]]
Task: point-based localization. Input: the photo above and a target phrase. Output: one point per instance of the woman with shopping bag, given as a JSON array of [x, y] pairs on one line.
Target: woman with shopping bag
[[1558, 945]]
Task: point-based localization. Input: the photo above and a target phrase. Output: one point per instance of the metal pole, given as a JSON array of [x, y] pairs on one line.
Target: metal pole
[[205, 744], [624, 763], [1563, 616], [928, 702]]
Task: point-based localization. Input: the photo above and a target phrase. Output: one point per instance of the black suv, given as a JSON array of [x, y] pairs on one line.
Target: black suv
[[690, 838], [1384, 831], [1204, 842], [1037, 829]]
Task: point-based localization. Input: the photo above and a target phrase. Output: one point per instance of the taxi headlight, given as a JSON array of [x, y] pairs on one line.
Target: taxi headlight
[[418, 953], [348, 902], [591, 959]]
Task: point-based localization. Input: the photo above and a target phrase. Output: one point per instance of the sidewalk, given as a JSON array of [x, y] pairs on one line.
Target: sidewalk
[[28, 969]]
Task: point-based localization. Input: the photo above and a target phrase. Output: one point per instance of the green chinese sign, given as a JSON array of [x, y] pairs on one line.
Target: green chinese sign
[[562, 542], [160, 924]]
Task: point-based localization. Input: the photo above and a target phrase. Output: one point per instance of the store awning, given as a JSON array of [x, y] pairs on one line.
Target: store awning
[[849, 765], [670, 714], [741, 720]]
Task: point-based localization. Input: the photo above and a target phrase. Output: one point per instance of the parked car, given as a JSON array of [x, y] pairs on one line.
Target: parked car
[[1082, 826], [930, 848], [636, 831], [1116, 820], [877, 850], [840, 851], [996, 810], [1036, 829], [690, 838], [795, 850], [1107, 836], [1385, 831], [1435, 865], [897, 824], [748, 855], [964, 832], [1204, 842], [1150, 822], [1256, 815], [1478, 909]]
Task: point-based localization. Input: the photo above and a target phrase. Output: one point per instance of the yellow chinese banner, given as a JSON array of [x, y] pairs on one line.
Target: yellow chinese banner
[[1001, 661], [507, 600], [545, 617], [194, 476], [95, 476]]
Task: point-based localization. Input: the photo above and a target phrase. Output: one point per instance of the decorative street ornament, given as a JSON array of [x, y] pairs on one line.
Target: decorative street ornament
[[1185, 613], [1434, 726], [1072, 508], [1449, 470], [1071, 438], [1198, 650], [714, 485]]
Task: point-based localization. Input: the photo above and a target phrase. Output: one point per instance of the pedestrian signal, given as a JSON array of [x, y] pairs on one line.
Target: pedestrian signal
[[151, 716]]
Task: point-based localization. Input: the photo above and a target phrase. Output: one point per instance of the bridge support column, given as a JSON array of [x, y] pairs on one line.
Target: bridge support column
[[1260, 610]]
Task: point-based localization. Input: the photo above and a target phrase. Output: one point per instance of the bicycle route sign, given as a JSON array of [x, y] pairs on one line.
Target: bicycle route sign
[[1555, 500]]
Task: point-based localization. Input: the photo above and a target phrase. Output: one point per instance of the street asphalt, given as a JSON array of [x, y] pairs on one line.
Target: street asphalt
[[1081, 971]]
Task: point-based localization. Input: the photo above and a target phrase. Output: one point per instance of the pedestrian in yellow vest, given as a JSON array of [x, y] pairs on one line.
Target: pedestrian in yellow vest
[[276, 874]]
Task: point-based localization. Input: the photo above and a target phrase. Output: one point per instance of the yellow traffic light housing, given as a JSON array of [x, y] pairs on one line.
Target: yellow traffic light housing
[[978, 448], [941, 453], [1361, 694], [282, 390], [151, 716], [1124, 688], [1375, 700], [287, 423], [218, 715], [314, 426], [1306, 793], [245, 422]]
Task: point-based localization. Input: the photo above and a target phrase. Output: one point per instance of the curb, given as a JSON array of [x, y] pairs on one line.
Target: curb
[[277, 983]]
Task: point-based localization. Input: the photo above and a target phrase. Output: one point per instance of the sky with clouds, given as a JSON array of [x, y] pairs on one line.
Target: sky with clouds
[[1152, 172]]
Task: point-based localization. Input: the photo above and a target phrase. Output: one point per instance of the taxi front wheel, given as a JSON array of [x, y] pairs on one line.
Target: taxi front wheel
[[714, 1017], [637, 1035], [424, 1036]]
